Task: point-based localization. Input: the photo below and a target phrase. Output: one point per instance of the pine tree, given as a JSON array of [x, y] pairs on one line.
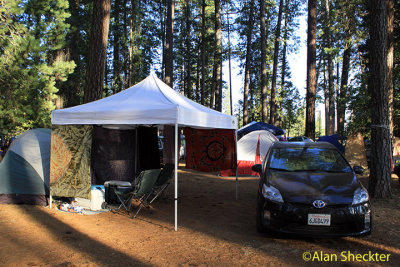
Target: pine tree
[[311, 71], [380, 176], [31, 36], [97, 50]]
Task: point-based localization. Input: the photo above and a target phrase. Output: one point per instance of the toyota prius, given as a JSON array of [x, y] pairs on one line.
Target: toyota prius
[[309, 188]]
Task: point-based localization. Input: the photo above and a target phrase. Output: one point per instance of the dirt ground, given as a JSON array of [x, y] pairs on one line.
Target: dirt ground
[[214, 230]]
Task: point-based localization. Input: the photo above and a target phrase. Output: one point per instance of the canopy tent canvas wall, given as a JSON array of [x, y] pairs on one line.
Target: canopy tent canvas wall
[[24, 171], [251, 149], [150, 102]]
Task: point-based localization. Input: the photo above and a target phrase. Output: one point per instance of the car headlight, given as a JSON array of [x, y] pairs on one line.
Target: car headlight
[[271, 193], [360, 196]]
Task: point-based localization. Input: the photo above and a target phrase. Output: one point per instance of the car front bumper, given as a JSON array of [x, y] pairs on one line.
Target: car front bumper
[[292, 218]]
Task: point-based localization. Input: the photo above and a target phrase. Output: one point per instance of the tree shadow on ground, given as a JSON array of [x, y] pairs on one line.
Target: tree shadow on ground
[[75, 241]]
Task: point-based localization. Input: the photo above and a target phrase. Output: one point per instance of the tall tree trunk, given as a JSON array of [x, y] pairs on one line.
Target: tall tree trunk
[[390, 63], [188, 88], [198, 77], [284, 51], [247, 68], [380, 175], [163, 31], [169, 56], [125, 49], [181, 59], [272, 114], [325, 89], [341, 103], [203, 52], [132, 36], [251, 101], [311, 71], [97, 50], [330, 127], [264, 110], [117, 84], [217, 79]]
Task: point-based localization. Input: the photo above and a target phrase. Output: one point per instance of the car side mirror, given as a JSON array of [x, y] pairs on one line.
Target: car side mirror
[[257, 168], [358, 169]]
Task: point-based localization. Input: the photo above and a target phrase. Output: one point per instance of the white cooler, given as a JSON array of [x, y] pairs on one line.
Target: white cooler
[[97, 194]]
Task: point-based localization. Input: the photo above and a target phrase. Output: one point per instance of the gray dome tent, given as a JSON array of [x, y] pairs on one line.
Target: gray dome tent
[[25, 169]]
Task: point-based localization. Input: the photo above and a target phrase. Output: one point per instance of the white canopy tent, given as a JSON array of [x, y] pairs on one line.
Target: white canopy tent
[[150, 102]]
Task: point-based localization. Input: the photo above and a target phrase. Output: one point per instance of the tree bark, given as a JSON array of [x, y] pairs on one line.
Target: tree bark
[[341, 103], [217, 80], [117, 83], [133, 29], [380, 175], [284, 52], [247, 68], [264, 111], [163, 31], [203, 52], [311, 71], [330, 127], [169, 57], [390, 63], [125, 48], [97, 50], [272, 114], [188, 83]]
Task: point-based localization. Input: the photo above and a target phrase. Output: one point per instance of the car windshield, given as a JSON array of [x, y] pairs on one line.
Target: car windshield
[[308, 159]]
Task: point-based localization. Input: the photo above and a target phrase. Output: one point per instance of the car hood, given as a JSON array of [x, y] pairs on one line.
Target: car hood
[[305, 187]]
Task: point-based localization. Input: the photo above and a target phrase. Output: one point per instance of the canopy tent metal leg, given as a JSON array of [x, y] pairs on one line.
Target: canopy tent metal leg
[[237, 181], [176, 177]]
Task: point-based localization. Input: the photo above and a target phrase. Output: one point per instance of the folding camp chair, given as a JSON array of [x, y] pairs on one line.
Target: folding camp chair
[[141, 191], [163, 181]]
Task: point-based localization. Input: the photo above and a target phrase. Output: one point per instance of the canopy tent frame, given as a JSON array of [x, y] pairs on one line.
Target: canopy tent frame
[[182, 111]]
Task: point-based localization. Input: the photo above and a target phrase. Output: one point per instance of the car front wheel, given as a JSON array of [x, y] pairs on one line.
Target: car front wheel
[[260, 214]]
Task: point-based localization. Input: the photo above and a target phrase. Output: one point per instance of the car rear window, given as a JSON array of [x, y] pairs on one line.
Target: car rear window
[[308, 159]]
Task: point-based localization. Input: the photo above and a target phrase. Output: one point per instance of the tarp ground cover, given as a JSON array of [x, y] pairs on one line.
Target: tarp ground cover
[[70, 160]]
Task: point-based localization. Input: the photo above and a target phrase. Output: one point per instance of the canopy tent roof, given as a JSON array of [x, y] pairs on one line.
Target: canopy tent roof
[[149, 102]]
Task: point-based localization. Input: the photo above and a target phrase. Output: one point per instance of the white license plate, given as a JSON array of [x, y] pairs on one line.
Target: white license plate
[[319, 219]]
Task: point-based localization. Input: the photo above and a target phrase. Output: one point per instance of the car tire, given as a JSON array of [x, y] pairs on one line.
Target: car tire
[[370, 228], [259, 214]]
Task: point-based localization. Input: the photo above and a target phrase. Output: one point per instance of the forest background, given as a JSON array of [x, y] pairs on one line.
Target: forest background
[[44, 48]]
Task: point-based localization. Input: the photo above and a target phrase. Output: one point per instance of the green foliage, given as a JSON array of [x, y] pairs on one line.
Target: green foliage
[[44, 48], [31, 31]]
